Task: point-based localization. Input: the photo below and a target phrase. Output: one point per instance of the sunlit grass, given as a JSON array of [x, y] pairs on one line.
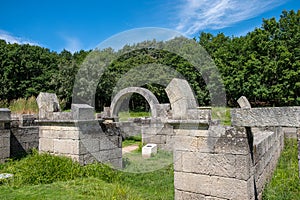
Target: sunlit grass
[[24, 106], [285, 183]]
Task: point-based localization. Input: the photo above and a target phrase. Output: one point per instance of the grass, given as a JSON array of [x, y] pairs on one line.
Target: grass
[[44, 176], [223, 114], [24, 106], [124, 116], [86, 188], [132, 140], [285, 183], [135, 163]]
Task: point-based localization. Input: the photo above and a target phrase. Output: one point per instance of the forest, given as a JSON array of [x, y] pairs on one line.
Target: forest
[[263, 65]]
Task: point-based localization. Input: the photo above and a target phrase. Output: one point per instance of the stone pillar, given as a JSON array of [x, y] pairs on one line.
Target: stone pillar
[[5, 117], [213, 164], [82, 138]]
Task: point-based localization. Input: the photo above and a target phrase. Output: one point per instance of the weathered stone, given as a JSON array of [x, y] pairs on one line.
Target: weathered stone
[[66, 146], [47, 103], [82, 112], [243, 102], [228, 188], [183, 195], [124, 94], [46, 145], [5, 114], [273, 116], [181, 97]]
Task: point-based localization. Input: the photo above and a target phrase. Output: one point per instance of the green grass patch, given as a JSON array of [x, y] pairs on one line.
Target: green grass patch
[[285, 183], [132, 140], [135, 163], [86, 188], [124, 116], [44, 176], [222, 114]]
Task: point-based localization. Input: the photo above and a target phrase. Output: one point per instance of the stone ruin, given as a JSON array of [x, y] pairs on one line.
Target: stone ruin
[[211, 161]]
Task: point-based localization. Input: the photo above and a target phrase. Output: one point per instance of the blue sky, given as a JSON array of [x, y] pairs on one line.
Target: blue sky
[[75, 25]]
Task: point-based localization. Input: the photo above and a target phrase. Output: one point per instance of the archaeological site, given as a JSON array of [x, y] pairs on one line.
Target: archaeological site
[[211, 160]]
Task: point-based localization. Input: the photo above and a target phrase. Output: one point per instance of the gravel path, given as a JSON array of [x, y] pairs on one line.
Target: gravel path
[[130, 148]]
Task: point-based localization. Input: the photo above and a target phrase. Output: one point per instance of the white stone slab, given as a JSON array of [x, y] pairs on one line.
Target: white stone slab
[[149, 150]]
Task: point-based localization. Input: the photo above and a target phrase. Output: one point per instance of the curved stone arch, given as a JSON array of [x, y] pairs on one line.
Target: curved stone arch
[[126, 93]]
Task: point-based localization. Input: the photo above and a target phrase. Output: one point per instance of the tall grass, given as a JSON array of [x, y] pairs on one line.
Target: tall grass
[[285, 183], [44, 176], [24, 106], [45, 168]]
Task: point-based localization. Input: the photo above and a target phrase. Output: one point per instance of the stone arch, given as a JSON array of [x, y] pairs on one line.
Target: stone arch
[[126, 93], [181, 97]]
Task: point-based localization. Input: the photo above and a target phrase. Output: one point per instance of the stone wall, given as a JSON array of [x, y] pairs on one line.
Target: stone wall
[[4, 134], [79, 135], [267, 146], [225, 162], [24, 134], [213, 164], [85, 142], [151, 131], [270, 116]]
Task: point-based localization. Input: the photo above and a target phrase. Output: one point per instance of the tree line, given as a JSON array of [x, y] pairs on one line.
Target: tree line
[[263, 65]]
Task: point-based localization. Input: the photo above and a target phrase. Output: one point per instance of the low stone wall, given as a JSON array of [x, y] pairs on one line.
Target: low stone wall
[[213, 164], [4, 134], [270, 116], [225, 162], [24, 134], [85, 141], [267, 146]]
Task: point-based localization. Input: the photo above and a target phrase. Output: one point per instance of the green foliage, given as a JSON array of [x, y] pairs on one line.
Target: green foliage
[[264, 66], [285, 181]]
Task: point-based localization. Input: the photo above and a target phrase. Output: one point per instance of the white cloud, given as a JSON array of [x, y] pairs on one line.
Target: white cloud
[[72, 44], [196, 15], [9, 38]]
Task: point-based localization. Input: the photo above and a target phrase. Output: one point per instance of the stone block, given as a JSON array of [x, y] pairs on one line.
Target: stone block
[[82, 112], [270, 116], [200, 113], [149, 150], [91, 145], [46, 145], [5, 114], [177, 160], [221, 187], [181, 97], [243, 102], [183, 195], [61, 146], [47, 103]]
